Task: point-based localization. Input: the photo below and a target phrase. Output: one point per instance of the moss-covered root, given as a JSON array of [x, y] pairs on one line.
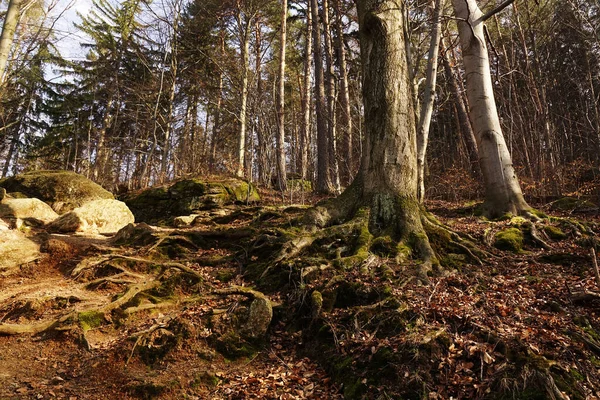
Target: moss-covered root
[[35, 328], [260, 313], [444, 237], [336, 210]]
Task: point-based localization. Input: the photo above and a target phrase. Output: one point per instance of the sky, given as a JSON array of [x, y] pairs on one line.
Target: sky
[[68, 36]]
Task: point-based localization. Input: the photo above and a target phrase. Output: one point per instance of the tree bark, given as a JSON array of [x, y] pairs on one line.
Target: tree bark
[[306, 96], [280, 139], [217, 117], [502, 189], [324, 182], [346, 117], [461, 112], [8, 33], [387, 179], [331, 103], [428, 96], [244, 33]]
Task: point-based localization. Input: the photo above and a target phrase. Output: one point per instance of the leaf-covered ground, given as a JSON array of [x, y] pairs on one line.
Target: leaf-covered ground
[[522, 325]]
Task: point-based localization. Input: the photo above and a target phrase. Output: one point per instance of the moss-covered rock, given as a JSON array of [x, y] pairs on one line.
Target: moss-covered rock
[[554, 232], [62, 190], [510, 239], [187, 197], [573, 204], [90, 319]]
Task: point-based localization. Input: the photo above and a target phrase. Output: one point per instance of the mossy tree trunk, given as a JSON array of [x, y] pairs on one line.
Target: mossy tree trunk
[[387, 179]]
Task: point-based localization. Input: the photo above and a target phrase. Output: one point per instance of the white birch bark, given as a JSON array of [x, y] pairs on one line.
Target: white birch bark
[[428, 97], [502, 189], [8, 33]]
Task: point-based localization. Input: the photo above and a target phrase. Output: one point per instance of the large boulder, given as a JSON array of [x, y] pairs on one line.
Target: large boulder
[[99, 216], [31, 211], [62, 190], [189, 196], [15, 250]]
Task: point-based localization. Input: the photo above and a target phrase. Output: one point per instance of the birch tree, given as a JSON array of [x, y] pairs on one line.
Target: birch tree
[[8, 33], [280, 139], [502, 189], [429, 96]]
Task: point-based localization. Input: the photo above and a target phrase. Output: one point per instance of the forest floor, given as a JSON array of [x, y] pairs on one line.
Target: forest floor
[[522, 325]]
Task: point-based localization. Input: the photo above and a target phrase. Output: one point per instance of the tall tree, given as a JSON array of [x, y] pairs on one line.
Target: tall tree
[[387, 179], [8, 33], [429, 95], [324, 179], [502, 189], [280, 139]]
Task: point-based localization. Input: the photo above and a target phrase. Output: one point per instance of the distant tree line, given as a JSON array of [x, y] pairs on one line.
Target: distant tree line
[[272, 90]]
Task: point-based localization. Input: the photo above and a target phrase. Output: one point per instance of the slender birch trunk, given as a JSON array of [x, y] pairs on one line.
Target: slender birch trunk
[[502, 189], [244, 30], [306, 95], [428, 97], [8, 33], [280, 139]]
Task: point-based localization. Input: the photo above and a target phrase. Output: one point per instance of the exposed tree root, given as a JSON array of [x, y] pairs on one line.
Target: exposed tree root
[[35, 328]]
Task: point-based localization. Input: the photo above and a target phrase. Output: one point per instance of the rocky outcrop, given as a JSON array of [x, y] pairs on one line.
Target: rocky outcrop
[[34, 212], [62, 190], [188, 197], [98, 216]]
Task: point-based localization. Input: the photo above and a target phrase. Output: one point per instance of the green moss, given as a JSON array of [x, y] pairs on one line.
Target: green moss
[[90, 319], [300, 184], [565, 259], [206, 379], [384, 246], [538, 213], [554, 232], [317, 300], [510, 239], [232, 346], [572, 204], [354, 390], [226, 275], [576, 375], [64, 190], [453, 261]]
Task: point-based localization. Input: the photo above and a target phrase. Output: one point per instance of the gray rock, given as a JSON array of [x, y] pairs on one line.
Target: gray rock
[[15, 250], [99, 216], [31, 211]]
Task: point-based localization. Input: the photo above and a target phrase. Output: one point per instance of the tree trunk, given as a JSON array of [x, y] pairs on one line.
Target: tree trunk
[[306, 96], [428, 96], [280, 139], [217, 118], [244, 31], [387, 179], [324, 182], [331, 103], [461, 113], [502, 190], [8, 33], [345, 117]]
